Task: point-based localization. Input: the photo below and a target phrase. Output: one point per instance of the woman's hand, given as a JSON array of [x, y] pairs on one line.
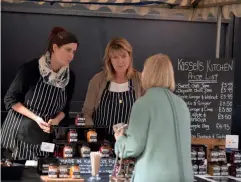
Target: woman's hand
[[119, 133], [42, 124], [119, 130], [51, 122], [54, 121]]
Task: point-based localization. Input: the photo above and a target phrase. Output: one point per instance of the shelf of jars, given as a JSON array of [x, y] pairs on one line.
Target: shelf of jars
[[73, 144]]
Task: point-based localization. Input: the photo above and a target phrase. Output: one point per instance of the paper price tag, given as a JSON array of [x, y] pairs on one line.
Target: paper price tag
[[232, 141], [47, 147]]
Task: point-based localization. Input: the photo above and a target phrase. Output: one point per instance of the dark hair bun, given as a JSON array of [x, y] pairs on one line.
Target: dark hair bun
[[60, 36], [56, 30]]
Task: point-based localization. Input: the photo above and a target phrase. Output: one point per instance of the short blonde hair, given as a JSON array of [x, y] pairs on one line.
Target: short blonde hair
[[118, 43], [158, 72]]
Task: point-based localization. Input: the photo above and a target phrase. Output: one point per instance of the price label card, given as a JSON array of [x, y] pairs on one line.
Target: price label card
[[47, 147], [232, 141]]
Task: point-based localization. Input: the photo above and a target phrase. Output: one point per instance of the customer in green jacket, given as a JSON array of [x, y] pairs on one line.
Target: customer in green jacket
[[158, 135]]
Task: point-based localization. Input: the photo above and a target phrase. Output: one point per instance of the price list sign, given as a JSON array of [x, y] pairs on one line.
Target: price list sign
[[207, 88]]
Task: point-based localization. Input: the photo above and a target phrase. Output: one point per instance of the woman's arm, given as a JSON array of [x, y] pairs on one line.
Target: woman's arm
[[20, 108], [16, 94], [60, 116], [90, 100], [135, 139]]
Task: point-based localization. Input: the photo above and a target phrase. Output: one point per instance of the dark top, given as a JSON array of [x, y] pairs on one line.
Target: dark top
[[20, 134], [25, 82]]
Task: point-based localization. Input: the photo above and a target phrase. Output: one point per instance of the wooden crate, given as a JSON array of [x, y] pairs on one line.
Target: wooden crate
[[210, 143]]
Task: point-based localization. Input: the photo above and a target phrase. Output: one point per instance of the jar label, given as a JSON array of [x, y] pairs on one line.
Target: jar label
[[53, 173], [224, 173], [238, 169], [85, 155], [237, 155], [63, 175], [73, 140], [45, 171], [68, 155], [76, 174], [68, 150], [73, 134], [105, 152], [93, 138], [86, 151], [45, 165]]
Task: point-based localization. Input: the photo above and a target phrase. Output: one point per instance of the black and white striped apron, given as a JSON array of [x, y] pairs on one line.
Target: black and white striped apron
[[45, 101], [114, 107]]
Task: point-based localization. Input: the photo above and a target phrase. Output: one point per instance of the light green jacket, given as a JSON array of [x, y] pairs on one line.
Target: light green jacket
[[151, 138]]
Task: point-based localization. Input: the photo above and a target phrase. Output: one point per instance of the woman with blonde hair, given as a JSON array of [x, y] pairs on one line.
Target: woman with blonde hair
[[112, 92], [158, 135]]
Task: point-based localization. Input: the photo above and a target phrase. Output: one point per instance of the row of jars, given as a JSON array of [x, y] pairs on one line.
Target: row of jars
[[73, 136], [64, 171], [84, 151]]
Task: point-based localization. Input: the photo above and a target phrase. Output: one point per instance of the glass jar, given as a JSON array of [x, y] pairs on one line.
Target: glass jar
[[63, 171], [58, 152], [80, 119], [68, 151], [84, 151], [72, 136], [105, 149], [53, 171], [75, 171], [91, 136]]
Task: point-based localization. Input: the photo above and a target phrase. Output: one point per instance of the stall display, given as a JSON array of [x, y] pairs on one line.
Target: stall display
[[73, 146], [217, 162], [235, 164], [199, 157]]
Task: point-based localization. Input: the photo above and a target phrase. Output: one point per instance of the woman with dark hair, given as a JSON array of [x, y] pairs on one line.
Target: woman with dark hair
[[39, 97]]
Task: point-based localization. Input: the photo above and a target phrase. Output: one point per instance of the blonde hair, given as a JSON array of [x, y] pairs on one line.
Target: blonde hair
[[117, 43], [158, 72]]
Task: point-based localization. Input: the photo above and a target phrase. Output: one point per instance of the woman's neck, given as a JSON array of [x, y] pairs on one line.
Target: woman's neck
[[54, 64], [120, 78]]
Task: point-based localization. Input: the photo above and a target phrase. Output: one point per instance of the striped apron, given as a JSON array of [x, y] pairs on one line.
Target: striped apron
[[114, 107], [45, 101]]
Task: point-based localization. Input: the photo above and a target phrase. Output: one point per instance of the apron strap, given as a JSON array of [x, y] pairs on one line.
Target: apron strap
[[107, 85], [130, 85]]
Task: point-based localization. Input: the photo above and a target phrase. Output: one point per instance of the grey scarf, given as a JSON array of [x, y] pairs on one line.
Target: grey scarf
[[59, 79]]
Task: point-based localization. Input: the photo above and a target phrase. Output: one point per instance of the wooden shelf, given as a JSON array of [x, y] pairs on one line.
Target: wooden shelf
[[213, 142]]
